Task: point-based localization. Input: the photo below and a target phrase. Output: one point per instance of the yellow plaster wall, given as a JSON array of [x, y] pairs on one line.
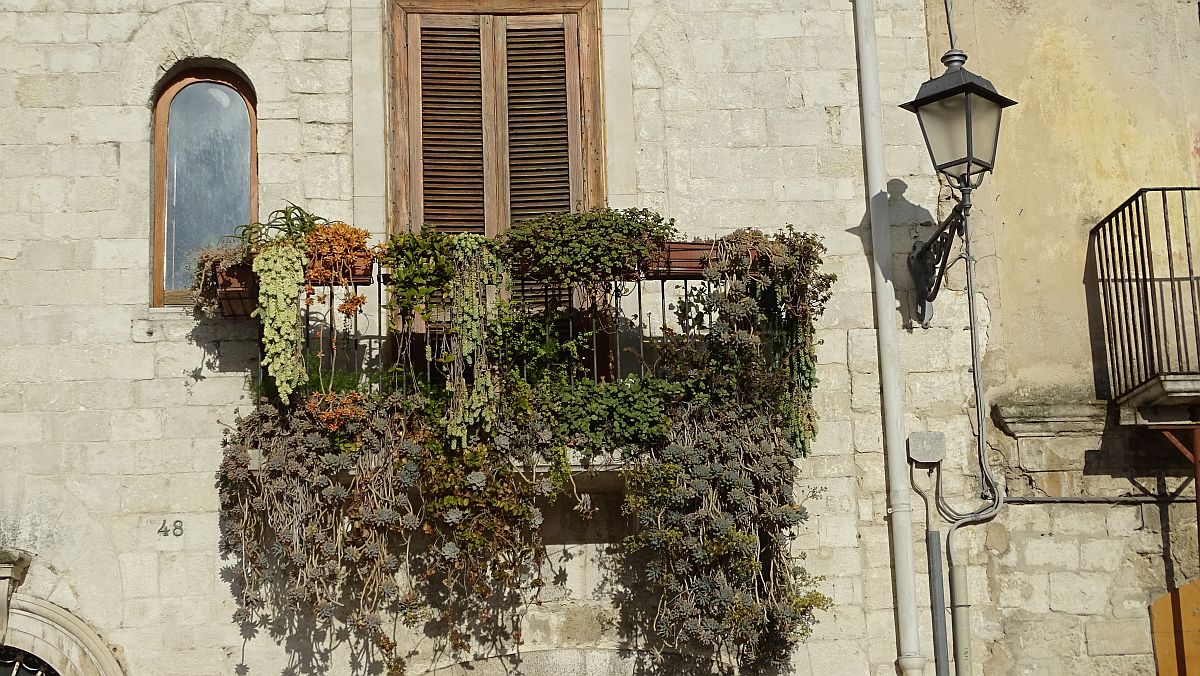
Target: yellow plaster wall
[[1109, 96]]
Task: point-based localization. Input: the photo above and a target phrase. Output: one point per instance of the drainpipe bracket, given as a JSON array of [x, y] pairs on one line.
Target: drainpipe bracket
[[911, 665]]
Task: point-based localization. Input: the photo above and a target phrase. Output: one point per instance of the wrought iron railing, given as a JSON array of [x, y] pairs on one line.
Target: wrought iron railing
[[622, 326], [1146, 259]]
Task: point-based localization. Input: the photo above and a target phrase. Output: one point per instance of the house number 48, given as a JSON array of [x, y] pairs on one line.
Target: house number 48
[[175, 529]]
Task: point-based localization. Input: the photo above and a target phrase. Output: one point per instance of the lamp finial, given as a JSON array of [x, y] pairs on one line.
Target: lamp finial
[[954, 59]]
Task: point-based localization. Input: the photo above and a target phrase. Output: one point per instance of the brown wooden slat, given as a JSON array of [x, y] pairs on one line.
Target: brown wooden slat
[[452, 119], [538, 132]]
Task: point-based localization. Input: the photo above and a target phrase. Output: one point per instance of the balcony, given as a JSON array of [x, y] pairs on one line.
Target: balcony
[[1146, 258], [408, 456]]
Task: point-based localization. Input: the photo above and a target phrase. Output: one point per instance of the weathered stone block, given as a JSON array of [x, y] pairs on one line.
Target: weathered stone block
[[137, 424], [78, 426], [1102, 555], [1055, 552], [139, 574], [1118, 637], [91, 160], [81, 58], [1054, 454], [185, 573], [1079, 593], [1025, 591]]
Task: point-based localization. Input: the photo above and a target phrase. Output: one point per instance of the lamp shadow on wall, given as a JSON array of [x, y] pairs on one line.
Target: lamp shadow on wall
[[920, 225]]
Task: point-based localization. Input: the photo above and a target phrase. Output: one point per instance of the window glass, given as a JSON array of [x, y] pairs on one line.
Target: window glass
[[207, 174]]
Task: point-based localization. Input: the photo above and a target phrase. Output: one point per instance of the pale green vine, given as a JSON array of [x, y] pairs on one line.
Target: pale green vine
[[280, 270], [477, 274]]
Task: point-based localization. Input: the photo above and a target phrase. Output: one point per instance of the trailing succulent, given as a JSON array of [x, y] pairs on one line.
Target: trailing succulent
[[420, 497], [280, 270]]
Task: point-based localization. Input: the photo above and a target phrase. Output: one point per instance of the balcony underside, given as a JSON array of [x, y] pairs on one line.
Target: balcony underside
[[1164, 400]]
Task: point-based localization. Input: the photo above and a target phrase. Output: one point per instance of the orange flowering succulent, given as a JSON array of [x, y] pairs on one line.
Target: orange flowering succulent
[[337, 254], [334, 410]]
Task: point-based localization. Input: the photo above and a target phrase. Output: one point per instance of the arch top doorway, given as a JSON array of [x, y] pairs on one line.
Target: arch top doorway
[[56, 638], [17, 662]]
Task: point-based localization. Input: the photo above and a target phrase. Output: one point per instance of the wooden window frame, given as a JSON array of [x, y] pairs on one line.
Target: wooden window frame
[[160, 297], [406, 181]]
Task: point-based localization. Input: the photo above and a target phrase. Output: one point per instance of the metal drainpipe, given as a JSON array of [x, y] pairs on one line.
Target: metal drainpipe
[[910, 660]]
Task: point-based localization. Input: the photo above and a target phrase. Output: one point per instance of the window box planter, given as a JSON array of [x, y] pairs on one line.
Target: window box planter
[[327, 272], [237, 290], [681, 260]]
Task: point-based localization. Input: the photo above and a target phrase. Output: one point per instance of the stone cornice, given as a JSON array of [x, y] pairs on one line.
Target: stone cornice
[[1050, 420]]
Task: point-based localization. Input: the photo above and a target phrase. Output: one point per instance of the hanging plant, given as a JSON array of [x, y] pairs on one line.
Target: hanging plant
[[280, 269], [217, 267], [419, 498], [418, 269], [338, 255]]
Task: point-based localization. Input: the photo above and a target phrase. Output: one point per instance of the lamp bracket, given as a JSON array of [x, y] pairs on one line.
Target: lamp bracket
[[928, 261]]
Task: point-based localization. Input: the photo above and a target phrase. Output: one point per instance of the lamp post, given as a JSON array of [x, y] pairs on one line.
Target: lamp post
[[959, 113]]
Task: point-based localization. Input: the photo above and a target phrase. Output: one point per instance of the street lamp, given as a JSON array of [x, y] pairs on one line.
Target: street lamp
[[959, 113]]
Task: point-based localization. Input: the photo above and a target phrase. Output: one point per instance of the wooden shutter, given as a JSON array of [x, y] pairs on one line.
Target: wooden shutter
[[494, 124], [543, 115], [447, 72]]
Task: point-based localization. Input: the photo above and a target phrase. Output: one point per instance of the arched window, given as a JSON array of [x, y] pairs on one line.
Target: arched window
[[205, 166]]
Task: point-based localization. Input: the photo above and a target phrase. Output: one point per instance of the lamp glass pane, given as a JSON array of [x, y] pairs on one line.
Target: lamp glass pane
[[985, 123], [945, 125]]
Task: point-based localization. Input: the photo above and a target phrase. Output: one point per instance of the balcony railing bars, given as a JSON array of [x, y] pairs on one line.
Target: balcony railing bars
[[1147, 261], [624, 327]]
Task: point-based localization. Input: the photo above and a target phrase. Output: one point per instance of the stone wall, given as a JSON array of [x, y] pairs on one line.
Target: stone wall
[[1105, 91], [110, 420], [722, 114]]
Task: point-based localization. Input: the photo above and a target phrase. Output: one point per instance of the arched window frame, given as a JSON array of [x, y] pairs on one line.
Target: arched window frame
[[162, 106]]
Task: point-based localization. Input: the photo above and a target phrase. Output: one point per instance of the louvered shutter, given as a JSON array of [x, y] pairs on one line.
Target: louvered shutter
[[494, 119], [542, 100], [449, 124]]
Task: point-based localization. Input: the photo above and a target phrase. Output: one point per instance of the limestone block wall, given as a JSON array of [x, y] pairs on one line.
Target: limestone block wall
[[110, 420], [727, 115], [746, 114], [721, 114]]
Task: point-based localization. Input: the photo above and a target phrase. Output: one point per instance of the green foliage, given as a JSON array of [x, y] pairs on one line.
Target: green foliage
[[419, 268], [716, 505], [413, 494], [613, 418], [280, 270], [585, 248], [290, 223]]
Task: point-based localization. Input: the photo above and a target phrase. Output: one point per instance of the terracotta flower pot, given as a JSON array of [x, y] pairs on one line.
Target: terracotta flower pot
[[237, 290], [681, 260], [361, 268]]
